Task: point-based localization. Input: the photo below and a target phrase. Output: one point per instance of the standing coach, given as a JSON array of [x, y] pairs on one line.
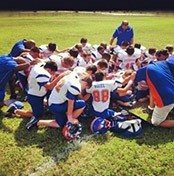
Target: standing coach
[[124, 33]]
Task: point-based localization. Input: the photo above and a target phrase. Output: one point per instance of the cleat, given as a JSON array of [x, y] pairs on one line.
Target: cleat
[[32, 123]]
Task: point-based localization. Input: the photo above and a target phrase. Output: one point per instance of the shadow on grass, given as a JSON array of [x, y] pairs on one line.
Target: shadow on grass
[[2, 126], [51, 140]]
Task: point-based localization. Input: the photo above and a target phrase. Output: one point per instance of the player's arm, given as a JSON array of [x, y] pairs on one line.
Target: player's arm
[[122, 90], [111, 41], [22, 65], [70, 111], [52, 84], [85, 97], [131, 41]]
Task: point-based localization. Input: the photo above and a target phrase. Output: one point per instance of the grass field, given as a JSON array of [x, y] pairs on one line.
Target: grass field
[[44, 151]]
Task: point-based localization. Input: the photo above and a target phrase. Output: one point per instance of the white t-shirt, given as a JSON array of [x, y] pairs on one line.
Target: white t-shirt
[[100, 91], [37, 78]]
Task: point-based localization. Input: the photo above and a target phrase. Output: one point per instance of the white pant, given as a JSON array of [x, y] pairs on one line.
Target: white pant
[[160, 114]]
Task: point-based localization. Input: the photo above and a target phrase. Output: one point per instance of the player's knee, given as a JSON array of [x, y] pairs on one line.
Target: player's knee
[[81, 104]]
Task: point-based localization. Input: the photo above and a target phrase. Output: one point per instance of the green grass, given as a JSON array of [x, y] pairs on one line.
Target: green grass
[[22, 152]]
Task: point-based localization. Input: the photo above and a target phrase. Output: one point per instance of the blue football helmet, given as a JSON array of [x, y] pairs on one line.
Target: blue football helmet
[[99, 125]]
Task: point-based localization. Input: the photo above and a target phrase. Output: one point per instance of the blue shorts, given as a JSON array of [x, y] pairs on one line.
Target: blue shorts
[[37, 105], [23, 81], [59, 110], [141, 94], [2, 95]]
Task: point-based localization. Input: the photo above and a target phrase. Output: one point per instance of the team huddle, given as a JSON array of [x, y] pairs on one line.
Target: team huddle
[[85, 80]]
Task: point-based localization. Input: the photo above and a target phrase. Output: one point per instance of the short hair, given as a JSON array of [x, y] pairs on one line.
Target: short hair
[[69, 61], [51, 65], [52, 47], [106, 56], [130, 50], [102, 63], [74, 52], [125, 43], [99, 76], [99, 48], [104, 45], [137, 45], [92, 68], [170, 48], [125, 22], [83, 40], [152, 51], [35, 50], [29, 44], [163, 52], [78, 46]]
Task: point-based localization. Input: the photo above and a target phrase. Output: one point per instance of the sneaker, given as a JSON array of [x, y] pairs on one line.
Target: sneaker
[[33, 122], [11, 111]]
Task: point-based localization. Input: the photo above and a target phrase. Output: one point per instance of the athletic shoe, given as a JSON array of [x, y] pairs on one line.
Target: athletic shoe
[[11, 111], [33, 122]]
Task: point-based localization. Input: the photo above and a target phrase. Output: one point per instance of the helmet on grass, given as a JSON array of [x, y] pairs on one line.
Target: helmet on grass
[[99, 125], [72, 131]]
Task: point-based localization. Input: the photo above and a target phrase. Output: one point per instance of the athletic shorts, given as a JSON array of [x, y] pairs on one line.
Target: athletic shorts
[[59, 110]]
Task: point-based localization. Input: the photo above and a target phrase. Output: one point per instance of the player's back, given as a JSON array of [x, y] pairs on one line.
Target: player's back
[[100, 91]]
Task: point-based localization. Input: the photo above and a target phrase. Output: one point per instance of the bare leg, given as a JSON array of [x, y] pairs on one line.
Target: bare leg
[[23, 113], [167, 124], [48, 123]]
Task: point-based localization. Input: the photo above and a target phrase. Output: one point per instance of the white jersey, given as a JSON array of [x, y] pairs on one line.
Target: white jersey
[[37, 78], [28, 58], [45, 52], [68, 84], [128, 61], [100, 91]]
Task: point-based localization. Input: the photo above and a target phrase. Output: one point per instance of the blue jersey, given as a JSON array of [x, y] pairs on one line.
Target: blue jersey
[[123, 35], [17, 48], [160, 79], [7, 67]]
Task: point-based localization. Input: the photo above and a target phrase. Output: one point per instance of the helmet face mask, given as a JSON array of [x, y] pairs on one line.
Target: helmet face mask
[[72, 131], [99, 126]]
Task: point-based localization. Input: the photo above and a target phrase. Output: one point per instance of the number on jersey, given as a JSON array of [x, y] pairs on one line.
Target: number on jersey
[[102, 95]]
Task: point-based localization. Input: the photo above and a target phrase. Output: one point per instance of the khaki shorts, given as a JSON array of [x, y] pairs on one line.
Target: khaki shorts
[[160, 114]]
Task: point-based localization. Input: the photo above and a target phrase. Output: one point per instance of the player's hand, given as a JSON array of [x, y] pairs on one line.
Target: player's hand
[[19, 60], [34, 62], [73, 121]]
